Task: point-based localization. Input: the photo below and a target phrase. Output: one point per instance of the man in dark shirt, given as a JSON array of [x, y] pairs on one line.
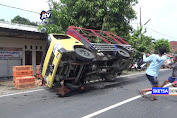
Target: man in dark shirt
[[172, 79]]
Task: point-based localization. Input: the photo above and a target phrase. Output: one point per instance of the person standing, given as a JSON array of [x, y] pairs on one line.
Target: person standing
[[153, 69], [173, 78]]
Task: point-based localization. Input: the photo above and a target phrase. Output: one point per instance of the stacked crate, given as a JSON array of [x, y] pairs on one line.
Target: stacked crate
[[23, 77]]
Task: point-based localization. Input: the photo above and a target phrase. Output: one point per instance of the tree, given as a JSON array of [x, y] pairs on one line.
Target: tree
[[140, 42], [2, 20], [20, 20], [162, 43], [108, 15]]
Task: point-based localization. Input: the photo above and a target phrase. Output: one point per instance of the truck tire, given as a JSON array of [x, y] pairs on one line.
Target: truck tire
[[120, 64], [84, 54], [122, 52], [72, 87], [109, 77]]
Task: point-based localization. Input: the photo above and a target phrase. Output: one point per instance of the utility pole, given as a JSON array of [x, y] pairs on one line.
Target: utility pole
[[140, 17], [140, 23]]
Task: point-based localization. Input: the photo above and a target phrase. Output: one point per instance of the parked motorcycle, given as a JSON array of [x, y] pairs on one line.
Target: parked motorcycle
[[136, 67]]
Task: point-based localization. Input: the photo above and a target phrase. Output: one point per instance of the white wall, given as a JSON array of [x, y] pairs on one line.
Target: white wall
[[20, 43]]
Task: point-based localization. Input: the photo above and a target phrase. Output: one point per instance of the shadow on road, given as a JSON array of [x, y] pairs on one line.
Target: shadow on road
[[90, 87]]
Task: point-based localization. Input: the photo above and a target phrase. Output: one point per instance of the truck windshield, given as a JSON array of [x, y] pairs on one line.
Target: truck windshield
[[60, 37]]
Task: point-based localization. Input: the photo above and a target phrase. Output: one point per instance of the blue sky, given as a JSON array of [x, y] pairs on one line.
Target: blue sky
[[163, 15]]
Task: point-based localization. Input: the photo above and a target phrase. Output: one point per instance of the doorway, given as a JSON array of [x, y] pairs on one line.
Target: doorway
[[38, 57], [28, 57]]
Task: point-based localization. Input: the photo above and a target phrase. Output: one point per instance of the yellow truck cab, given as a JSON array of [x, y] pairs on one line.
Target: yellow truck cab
[[60, 46]]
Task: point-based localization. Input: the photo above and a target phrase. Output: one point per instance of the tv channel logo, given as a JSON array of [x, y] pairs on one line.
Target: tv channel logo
[[164, 91], [45, 14]]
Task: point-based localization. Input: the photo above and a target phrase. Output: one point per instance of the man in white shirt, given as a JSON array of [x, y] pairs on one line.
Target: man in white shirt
[[153, 70]]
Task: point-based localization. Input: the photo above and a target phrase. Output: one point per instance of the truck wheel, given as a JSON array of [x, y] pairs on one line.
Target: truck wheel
[[120, 64], [84, 54], [72, 87], [122, 52], [110, 77]]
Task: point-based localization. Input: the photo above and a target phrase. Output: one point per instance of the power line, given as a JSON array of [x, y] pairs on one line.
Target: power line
[[156, 31], [161, 33], [130, 23], [19, 8]]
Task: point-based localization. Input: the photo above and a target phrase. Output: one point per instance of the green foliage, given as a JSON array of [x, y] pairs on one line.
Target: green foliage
[[20, 20], [3, 20], [140, 42], [108, 15], [98, 40], [162, 43]]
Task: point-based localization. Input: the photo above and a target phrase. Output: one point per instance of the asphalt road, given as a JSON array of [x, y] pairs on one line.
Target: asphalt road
[[46, 104]]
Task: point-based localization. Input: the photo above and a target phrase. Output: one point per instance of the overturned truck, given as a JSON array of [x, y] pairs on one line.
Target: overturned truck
[[81, 55]]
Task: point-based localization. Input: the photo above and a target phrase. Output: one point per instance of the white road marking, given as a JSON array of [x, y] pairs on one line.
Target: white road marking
[[21, 93], [117, 105], [143, 73]]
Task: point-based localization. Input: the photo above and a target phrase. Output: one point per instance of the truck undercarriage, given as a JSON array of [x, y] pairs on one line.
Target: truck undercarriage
[[105, 60]]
